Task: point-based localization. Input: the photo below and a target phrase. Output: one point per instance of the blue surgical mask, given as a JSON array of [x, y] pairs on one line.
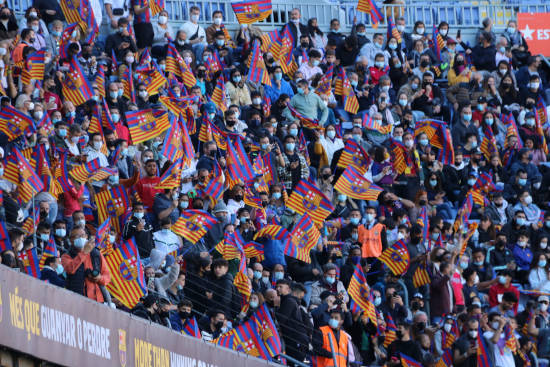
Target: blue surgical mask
[[369, 217], [403, 102], [113, 180], [44, 237], [315, 63], [414, 86], [502, 279], [474, 144], [342, 197], [489, 122], [244, 219], [278, 275], [253, 304], [377, 301], [265, 146], [184, 205], [547, 223], [276, 195], [237, 79], [355, 237], [330, 280], [257, 274], [472, 181], [220, 42], [478, 263], [522, 181], [293, 132], [333, 323], [112, 238], [392, 46], [120, 92], [433, 183], [139, 215], [520, 221], [60, 232], [467, 117], [59, 269], [62, 132], [542, 263], [463, 264], [56, 33], [480, 107], [354, 220], [423, 142], [113, 95], [79, 242], [300, 90], [379, 64], [290, 146], [278, 76], [115, 117]]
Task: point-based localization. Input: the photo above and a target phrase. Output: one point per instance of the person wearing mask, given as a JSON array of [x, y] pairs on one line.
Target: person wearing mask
[[52, 272], [484, 54], [307, 103], [331, 344], [278, 85], [311, 68], [538, 274], [138, 227], [503, 285], [513, 228], [499, 256], [403, 344], [87, 271], [372, 235], [146, 186], [329, 282], [148, 308], [370, 50], [295, 167], [213, 326], [297, 29], [464, 127], [120, 42], [524, 163], [502, 355], [179, 319], [484, 271], [465, 348]]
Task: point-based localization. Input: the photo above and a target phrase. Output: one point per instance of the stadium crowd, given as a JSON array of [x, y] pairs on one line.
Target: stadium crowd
[[448, 140]]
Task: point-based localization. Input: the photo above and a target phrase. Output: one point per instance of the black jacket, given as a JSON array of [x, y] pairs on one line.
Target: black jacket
[[144, 238], [289, 316], [293, 30], [222, 293], [51, 276], [112, 43]]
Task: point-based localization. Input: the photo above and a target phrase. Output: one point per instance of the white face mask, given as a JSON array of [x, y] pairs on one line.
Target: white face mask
[[194, 18], [447, 328], [217, 21], [163, 19], [130, 59]]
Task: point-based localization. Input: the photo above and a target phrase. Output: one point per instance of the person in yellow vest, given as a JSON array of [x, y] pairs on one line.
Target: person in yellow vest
[[371, 235], [332, 346]]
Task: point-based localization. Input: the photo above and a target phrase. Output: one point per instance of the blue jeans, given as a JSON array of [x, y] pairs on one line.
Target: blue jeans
[[446, 211]]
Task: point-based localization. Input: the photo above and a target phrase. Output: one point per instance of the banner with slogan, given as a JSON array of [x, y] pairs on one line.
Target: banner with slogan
[[535, 28], [61, 327]]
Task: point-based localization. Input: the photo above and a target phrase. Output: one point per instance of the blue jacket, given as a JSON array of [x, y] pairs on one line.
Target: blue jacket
[[273, 93], [51, 276], [523, 257]]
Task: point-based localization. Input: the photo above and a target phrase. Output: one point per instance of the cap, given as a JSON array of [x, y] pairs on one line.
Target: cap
[[482, 99], [219, 207], [477, 151], [210, 107], [529, 114], [473, 174], [451, 41], [418, 295], [543, 298]]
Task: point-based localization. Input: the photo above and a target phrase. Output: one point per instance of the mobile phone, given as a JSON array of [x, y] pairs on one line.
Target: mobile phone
[[458, 34]]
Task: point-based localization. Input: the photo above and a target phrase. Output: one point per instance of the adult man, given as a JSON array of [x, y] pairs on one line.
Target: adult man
[[307, 103], [85, 266], [465, 348], [495, 337], [138, 227], [404, 344], [296, 28], [372, 235], [331, 344], [146, 186], [196, 35], [328, 283]]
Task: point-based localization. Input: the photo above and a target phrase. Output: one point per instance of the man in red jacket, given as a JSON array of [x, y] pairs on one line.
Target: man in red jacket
[[145, 187]]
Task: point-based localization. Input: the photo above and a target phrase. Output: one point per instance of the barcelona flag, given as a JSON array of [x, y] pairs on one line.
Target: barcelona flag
[[511, 129], [370, 124], [76, 87], [111, 204], [50, 250], [483, 358], [172, 148], [71, 11], [249, 340], [146, 124], [226, 340], [257, 73], [369, 7], [241, 281], [359, 293], [438, 42], [30, 262], [306, 121], [156, 6], [423, 222], [15, 123], [488, 143], [177, 66], [231, 247], [254, 250], [5, 243], [407, 361], [128, 89], [29, 182], [439, 136], [273, 231], [151, 77], [302, 239], [238, 164], [354, 156], [219, 95], [396, 257], [193, 224], [127, 278], [464, 214], [191, 328], [307, 198], [84, 171], [392, 31], [325, 84], [391, 331], [268, 330], [251, 11], [353, 184], [421, 276], [35, 67], [343, 88]]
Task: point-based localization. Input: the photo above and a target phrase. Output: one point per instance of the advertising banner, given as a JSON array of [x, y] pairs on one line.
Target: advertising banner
[[58, 326], [535, 28]]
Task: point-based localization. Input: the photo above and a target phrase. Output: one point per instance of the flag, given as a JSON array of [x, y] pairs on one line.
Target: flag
[[306, 197], [50, 250], [271, 42], [370, 124], [483, 358], [31, 222], [266, 105], [254, 250], [71, 12], [156, 6], [88, 22], [176, 65], [193, 224], [268, 330], [511, 129], [392, 31], [463, 214], [421, 276], [325, 83], [306, 121], [191, 328], [219, 96], [241, 281], [172, 146], [540, 111], [127, 277], [111, 204], [171, 178], [438, 42], [76, 87], [28, 181], [151, 77], [84, 171], [248, 339], [344, 89], [251, 11], [359, 292], [30, 261], [238, 164], [5, 243], [510, 338], [402, 162], [302, 239], [127, 80], [34, 67], [407, 361], [146, 124], [391, 331], [540, 130], [488, 143], [273, 231], [396, 257], [15, 123], [369, 7], [354, 156], [439, 137], [257, 72], [353, 184], [226, 340]]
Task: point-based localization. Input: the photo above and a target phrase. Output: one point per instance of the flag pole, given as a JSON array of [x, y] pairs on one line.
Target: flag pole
[[33, 221]]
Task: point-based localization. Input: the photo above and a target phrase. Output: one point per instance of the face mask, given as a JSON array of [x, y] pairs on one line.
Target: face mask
[[495, 324], [218, 21], [502, 279], [502, 72], [522, 244], [400, 28], [163, 19], [535, 86], [489, 122], [463, 264], [357, 137], [300, 90], [414, 86], [392, 46], [409, 143], [278, 76], [530, 122], [433, 183], [467, 117], [353, 83], [138, 215], [522, 181], [130, 59], [424, 63], [420, 30], [377, 301], [369, 217], [403, 102], [35, 28], [400, 236], [220, 42], [316, 63], [330, 280], [211, 116], [44, 237], [253, 304], [143, 94], [59, 269], [447, 328], [472, 334], [278, 275], [543, 245], [528, 199], [113, 180], [184, 205], [543, 307], [377, 45], [354, 220], [290, 146], [355, 236], [97, 145], [424, 142], [331, 134], [79, 242], [244, 219], [333, 323], [379, 64], [257, 101], [237, 79], [520, 221], [478, 263], [542, 263], [194, 18], [510, 30]]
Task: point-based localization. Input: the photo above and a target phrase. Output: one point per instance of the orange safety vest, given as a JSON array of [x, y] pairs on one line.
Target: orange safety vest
[[340, 349], [371, 240]]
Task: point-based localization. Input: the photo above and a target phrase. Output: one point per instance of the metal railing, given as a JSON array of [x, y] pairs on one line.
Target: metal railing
[[464, 14]]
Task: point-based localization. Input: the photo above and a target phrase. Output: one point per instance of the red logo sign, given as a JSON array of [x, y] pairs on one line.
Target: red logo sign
[[535, 28]]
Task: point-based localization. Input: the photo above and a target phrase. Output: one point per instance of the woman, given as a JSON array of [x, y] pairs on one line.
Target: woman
[[538, 274], [236, 201], [490, 126], [503, 68], [459, 73], [163, 31], [436, 197], [330, 143], [486, 230], [495, 169], [401, 106], [276, 205], [238, 91], [490, 91], [318, 39], [508, 93], [382, 171], [393, 50], [33, 12], [538, 153], [255, 301]]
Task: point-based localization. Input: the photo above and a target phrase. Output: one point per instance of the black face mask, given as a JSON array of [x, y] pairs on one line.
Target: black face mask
[[264, 204], [415, 240], [230, 123], [422, 202], [184, 315], [424, 63], [238, 197], [304, 45], [201, 73], [326, 176], [506, 85], [4, 16], [529, 105], [500, 244], [399, 334], [218, 325], [459, 62]]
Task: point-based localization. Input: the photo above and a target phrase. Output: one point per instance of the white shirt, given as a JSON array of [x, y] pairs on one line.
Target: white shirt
[[93, 154], [166, 241], [118, 4], [73, 148], [309, 71], [506, 358], [331, 146], [370, 51], [191, 28]]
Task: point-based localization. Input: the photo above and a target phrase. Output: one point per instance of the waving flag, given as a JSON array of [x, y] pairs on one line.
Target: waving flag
[[268, 330], [88, 21], [353, 184], [254, 250], [226, 340], [369, 7], [421, 276], [483, 358], [84, 171], [271, 41], [238, 164], [359, 293], [540, 130], [146, 124], [241, 281], [191, 328], [257, 72], [488, 143], [484, 182], [156, 6], [438, 42], [423, 222], [176, 64], [30, 262], [251, 11], [439, 137], [111, 204], [172, 146], [151, 77], [511, 129], [249, 340], [15, 123], [302, 239], [219, 95], [273, 231], [31, 222], [391, 331], [325, 84], [463, 214], [540, 111], [28, 181], [76, 87], [407, 361], [392, 31], [396, 257], [5, 243], [354, 156], [71, 12], [307, 198], [127, 277], [343, 88], [50, 250], [193, 224], [35, 67]]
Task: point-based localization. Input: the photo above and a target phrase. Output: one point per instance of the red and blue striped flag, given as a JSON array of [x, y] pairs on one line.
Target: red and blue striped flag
[[303, 238], [5, 242], [238, 164], [423, 222], [76, 87], [15, 123], [392, 31], [354, 155], [353, 184], [191, 328], [407, 361], [30, 262], [193, 224], [268, 330], [325, 84], [483, 358], [247, 337], [396, 257], [369, 7], [391, 331], [50, 250], [360, 296], [257, 72], [307, 198], [251, 11], [511, 129]]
